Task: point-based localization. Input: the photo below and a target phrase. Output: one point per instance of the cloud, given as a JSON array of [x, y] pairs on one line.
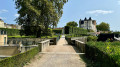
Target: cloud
[[3, 11], [16, 15], [118, 2], [3, 18], [100, 12]]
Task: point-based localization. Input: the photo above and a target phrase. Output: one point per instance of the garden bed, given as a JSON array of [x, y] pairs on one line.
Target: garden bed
[[107, 53]]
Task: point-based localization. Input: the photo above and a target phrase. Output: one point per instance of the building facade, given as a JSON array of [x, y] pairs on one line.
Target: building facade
[[10, 26], [3, 38], [1, 23], [88, 24]]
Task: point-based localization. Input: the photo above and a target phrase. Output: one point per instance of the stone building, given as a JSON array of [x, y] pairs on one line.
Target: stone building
[[1, 23], [10, 26], [88, 24], [3, 38]]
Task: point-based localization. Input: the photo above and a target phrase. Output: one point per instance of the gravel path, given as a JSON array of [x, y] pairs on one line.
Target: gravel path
[[60, 55]]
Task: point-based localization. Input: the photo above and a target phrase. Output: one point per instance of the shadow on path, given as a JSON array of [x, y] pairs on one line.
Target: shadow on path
[[89, 63]]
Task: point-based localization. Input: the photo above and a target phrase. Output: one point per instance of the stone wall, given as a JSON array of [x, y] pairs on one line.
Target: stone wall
[[9, 50], [3, 41], [80, 45]]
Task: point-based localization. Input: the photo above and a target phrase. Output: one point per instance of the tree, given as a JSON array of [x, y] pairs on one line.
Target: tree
[[103, 27], [72, 23], [37, 15]]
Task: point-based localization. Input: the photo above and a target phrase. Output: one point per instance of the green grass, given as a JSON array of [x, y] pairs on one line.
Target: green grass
[[49, 36], [18, 36]]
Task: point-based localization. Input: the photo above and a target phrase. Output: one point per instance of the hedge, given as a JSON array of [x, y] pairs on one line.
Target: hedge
[[19, 60], [11, 32], [57, 31], [92, 38], [107, 53], [75, 30]]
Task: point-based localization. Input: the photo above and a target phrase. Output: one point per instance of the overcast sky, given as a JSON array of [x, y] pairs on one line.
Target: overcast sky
[[74, 10]]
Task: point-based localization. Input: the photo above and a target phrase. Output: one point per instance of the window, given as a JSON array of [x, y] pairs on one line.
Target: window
[[2, 32], [82, 22]]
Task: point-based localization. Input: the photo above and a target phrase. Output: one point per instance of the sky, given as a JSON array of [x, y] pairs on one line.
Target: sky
[[100, 10]]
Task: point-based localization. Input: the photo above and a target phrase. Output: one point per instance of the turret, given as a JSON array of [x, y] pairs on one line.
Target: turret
[[90, 18], [85, 19]]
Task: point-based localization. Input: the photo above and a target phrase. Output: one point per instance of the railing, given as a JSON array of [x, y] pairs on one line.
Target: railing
[[24, 41], [23, 49], [43, 45], [81, 45]]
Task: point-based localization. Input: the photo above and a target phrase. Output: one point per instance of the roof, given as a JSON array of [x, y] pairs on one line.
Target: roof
[[1, 20]]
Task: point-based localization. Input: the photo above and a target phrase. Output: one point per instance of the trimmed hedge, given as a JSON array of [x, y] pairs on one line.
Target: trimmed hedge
[[107, 53], [75, 30], [19, 60], [92, 38], [11, 32], [57, 31]]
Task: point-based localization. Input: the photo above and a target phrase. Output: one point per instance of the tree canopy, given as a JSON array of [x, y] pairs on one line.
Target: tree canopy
[[39, 14], [72, 24], [103, 27]]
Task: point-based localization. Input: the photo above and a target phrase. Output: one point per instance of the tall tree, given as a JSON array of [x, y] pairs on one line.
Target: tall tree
[[36, 15], [72, 23], [103, 27]]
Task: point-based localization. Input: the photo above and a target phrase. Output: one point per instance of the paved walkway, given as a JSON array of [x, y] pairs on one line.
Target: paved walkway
[[60, 55]]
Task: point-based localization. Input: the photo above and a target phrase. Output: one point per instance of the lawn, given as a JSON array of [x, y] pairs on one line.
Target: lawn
[[18, 36]]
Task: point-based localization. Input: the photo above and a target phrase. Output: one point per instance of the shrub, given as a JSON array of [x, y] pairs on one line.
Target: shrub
[[75, 30], [19, 60], [92, 38], [57, 31], [11, 32], [107, 53]]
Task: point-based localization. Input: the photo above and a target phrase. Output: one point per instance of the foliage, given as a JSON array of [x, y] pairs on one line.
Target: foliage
[[57, 31], [103, 27], [21, 32], [19, 60], [90, 30], [11, 32], [104, 52], [72, 24], [92, 38], [74, 30], [18, 36], [76, 35], [40, 14], [117, 32]]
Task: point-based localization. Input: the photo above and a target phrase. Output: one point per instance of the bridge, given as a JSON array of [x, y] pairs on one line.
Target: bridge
[[60, 55]]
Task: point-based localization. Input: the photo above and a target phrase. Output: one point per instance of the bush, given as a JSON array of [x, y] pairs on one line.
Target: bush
[[107, 53], [11, 32], [19, 60], [57, 31], [92, 38], [90, 30]]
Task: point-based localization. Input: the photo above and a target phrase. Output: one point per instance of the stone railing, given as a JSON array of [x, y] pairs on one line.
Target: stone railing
[[24, 41], [23, 49], [43, 45], [80, 45], [71, 41], [83, 39], [53, 41]]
